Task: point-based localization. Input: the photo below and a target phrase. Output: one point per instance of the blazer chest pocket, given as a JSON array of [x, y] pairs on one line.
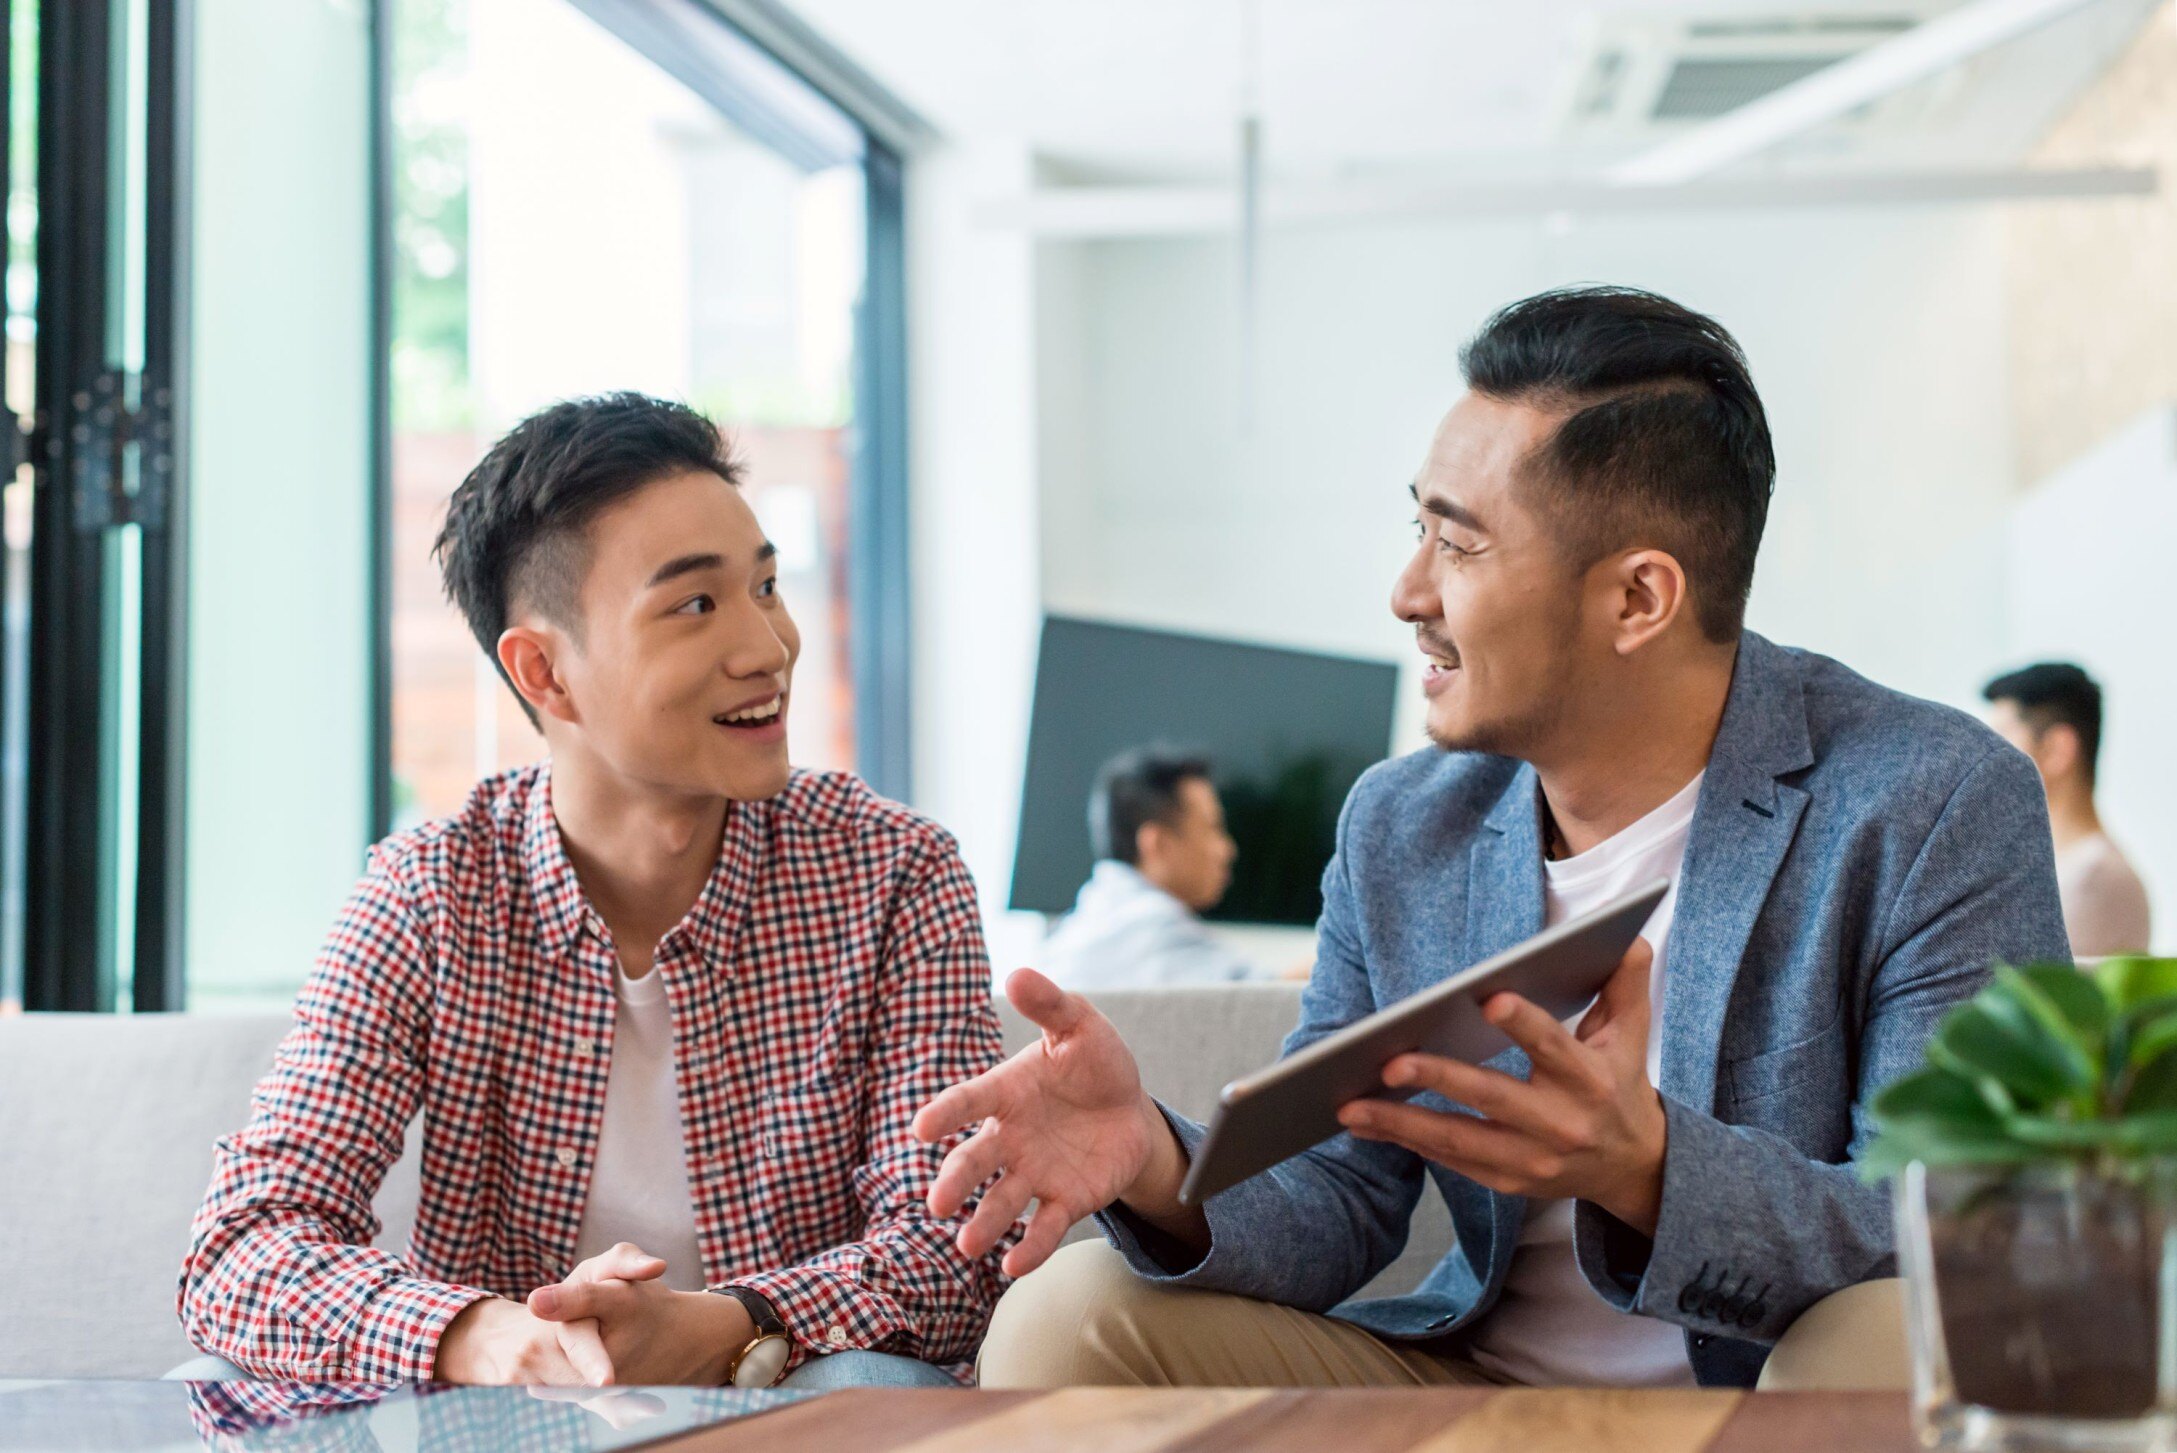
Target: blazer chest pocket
[[1798, 1090]]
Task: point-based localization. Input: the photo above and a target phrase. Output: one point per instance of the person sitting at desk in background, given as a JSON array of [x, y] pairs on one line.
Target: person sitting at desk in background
[[2053, 713], [665, 1004], [1163, 859]]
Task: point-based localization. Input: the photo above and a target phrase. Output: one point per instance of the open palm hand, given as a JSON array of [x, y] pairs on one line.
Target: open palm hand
[[1063, 1123]]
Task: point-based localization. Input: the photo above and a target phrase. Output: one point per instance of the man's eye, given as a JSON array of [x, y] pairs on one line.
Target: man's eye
[[769, 589], [697, 605], [1449, 548]]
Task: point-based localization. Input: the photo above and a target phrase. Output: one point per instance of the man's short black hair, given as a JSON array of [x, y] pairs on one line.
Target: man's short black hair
[[1134, 789], [1664, 442], [2055, 693], [514, 529]]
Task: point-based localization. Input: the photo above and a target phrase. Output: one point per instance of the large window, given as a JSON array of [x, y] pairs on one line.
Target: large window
[[573, 216]]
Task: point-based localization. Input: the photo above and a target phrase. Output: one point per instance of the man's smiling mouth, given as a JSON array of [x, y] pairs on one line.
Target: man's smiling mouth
[[756, 714]]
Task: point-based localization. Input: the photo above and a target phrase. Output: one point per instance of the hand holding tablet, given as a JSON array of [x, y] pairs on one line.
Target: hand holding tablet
[[1294, 1104]]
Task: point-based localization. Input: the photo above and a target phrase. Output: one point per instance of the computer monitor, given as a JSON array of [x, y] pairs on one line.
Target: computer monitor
[[1287, 733]]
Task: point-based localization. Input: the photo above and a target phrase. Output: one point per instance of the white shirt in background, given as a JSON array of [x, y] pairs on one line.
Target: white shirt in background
[[639, 1185], [1549, 1327], [1126, 932], [2105, 904]]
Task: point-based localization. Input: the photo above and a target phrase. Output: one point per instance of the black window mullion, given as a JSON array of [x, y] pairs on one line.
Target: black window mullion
[[65, 931], [162, 734]]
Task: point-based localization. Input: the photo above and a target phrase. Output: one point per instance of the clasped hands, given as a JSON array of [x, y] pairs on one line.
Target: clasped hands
[[1066, 1125], [611, 1322]]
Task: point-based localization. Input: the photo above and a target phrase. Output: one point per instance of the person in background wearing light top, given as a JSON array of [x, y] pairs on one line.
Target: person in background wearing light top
[[1163, 859], [660, 1006], [1653, 1196], [2053, 712]]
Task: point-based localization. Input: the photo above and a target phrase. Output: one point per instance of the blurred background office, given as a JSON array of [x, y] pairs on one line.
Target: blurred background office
[[1062, 338]]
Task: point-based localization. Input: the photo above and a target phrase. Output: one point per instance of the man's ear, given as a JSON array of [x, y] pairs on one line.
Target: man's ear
[[1149, 841], [2057, 751], [1647, 591], [527, 654]]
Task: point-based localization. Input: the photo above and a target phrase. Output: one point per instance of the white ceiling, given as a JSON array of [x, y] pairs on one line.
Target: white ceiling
[[1150, 89]]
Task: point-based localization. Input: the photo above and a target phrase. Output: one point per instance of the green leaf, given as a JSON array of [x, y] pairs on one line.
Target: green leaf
[[2054, 1134], [2041, 1015], [2150, 1039], [2085, 1009], [2154, 1088], [2154, 1134], [1981, 1041], [2133, 980], [1939, 1099], [1892, 1151]]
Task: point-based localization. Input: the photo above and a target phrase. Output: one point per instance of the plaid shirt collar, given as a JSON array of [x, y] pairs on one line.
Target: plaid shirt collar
[[564, 911]]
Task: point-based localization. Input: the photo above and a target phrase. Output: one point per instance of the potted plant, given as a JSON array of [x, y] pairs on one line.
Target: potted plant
[[2035, 1157]]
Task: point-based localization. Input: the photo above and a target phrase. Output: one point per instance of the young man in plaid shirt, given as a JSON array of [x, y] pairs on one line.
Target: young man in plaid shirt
[[666, 1007]]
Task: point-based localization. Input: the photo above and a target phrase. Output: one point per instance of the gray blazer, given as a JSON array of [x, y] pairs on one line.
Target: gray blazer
[[1857, 859]]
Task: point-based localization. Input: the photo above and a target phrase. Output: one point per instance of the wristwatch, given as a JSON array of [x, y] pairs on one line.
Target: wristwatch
[[764, 1358]]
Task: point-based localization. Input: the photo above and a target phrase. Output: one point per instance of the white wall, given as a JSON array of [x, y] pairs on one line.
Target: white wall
[[972, 390], [2088, 556], [278, 760]]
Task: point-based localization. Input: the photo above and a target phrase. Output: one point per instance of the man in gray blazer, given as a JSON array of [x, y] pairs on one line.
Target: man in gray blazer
[[1654, 1194]]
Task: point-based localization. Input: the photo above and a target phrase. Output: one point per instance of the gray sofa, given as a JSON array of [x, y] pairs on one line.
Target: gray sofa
[[107, 1123]]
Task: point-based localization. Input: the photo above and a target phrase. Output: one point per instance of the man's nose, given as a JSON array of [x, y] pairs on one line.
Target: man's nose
[[1413, 596], [758, 649]]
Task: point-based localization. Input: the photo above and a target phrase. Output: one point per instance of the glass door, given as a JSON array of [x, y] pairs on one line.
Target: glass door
[[93, 514]]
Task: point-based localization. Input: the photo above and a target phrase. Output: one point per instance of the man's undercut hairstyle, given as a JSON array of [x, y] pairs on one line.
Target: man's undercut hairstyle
[[2055, 693], [1663, 444], [516, 530], [1135, 789]]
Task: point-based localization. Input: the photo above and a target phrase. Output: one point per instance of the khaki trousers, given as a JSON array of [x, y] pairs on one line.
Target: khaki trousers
[[1085, 1319]]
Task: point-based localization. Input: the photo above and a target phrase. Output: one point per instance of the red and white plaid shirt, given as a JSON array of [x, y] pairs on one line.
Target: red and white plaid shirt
[[831, 978]]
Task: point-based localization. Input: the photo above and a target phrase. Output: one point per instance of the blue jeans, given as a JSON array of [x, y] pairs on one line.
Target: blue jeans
[[864, 1369], [818, 1374]]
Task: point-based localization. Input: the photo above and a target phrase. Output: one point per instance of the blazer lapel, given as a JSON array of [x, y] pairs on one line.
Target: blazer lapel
[[1504, 907], [1742, 827], [1504, 872]]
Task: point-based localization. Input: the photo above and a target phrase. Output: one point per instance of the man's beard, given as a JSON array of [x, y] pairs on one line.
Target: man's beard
[[1513, 737], [1519, 736]]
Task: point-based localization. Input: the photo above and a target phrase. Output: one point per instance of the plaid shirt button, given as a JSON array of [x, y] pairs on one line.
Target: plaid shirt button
[[585, 1046], [837, 1336], [567, 1156]]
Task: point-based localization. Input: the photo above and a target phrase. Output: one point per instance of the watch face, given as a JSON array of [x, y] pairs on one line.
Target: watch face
[[762, 1363]]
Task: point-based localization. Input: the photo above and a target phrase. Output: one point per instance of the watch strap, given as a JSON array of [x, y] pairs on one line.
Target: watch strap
[[760, 1310]]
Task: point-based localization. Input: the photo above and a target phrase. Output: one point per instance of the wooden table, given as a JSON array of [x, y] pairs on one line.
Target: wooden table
[[1441, 1420]]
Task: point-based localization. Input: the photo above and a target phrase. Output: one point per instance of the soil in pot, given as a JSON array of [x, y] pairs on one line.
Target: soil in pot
[[2049, 1296]]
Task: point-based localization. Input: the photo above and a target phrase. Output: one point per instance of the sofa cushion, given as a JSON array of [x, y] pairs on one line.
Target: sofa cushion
[[105, 1151]]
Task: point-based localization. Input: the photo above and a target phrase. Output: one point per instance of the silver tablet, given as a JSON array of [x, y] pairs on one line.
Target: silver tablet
[[1275, 1113]]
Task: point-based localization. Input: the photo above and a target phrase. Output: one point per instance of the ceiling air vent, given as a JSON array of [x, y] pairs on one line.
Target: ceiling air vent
[[1640, 75]]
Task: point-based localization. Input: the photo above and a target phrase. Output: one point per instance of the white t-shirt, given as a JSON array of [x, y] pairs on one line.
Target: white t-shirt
[[2105, 904], [1126, 932], [1549, 1327], [639, 1186]]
